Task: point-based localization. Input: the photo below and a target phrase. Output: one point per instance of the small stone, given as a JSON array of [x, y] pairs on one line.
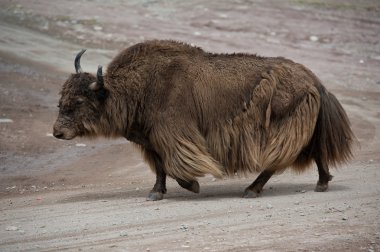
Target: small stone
[[269, 206], [361, 61], [344, 218], [184, 227], [296, 203], [49, 134], [6, 120], [98, 28], [197, 33], [80, 145], [123, 233], [303, 191], [185, 246], [11, 228], [313, 38]]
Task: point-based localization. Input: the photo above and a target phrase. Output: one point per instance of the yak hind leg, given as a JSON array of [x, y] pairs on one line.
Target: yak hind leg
[[255, 189], [324, 176], [159, 188], [192, 186]]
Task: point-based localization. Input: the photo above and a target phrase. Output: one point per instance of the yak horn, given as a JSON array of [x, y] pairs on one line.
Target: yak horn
[[78, 68], [99, 77], [99, 83]]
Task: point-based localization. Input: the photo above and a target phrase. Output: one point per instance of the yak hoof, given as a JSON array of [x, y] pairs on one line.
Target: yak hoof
[[250, 194], [192, 186], [154, 196], [321, 187]]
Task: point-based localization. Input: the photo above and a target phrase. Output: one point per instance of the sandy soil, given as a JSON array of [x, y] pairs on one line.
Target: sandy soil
[[84, 195]]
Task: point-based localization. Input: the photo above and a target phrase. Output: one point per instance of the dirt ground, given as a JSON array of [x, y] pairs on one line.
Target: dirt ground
[[83, 195]]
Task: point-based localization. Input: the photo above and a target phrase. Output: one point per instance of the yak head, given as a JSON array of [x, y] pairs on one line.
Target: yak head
[[81, 104]]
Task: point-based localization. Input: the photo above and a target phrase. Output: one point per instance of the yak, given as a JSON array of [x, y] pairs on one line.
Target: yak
[[193, 113]]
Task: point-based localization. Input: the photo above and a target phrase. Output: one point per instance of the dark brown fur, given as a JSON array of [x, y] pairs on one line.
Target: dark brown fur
[[194, 113]]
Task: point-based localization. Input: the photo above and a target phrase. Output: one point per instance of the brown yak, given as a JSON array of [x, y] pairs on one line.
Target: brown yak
[[194, 113]]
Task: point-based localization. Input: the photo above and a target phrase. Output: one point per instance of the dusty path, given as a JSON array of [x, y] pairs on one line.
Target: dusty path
[[90, 195]]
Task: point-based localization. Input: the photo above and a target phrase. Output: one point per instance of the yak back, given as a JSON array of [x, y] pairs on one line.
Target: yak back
[[164, 75]]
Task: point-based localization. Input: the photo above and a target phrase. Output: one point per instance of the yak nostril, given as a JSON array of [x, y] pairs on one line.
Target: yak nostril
[[58, 135]]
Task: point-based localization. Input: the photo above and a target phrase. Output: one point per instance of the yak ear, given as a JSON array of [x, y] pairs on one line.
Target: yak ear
[[101, 92], [98, 85], [94, 86]]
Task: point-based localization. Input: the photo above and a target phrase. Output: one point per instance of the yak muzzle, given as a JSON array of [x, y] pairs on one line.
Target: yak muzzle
[[58, 134], [63, 132]]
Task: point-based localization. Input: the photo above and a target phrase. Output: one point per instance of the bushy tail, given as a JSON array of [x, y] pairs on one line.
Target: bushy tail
[[333, 138]]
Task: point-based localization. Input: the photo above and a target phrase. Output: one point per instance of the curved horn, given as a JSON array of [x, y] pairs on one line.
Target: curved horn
[[99, 77], [78, 68]]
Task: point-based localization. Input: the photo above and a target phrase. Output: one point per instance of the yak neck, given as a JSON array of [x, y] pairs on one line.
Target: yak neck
[[122, 106]]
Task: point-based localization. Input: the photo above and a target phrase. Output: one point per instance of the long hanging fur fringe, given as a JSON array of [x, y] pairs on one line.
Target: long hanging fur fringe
[[255, 141], [251, 142]]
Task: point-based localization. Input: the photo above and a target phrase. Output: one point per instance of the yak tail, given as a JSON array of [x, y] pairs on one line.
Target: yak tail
[[332, 139]]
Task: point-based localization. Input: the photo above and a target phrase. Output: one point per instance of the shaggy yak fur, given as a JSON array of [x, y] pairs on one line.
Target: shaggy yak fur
[[194, 113]]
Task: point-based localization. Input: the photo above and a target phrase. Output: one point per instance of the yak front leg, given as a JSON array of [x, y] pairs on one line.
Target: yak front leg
[[192, 186], [324, 176], [256, 187], [159, 188]]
